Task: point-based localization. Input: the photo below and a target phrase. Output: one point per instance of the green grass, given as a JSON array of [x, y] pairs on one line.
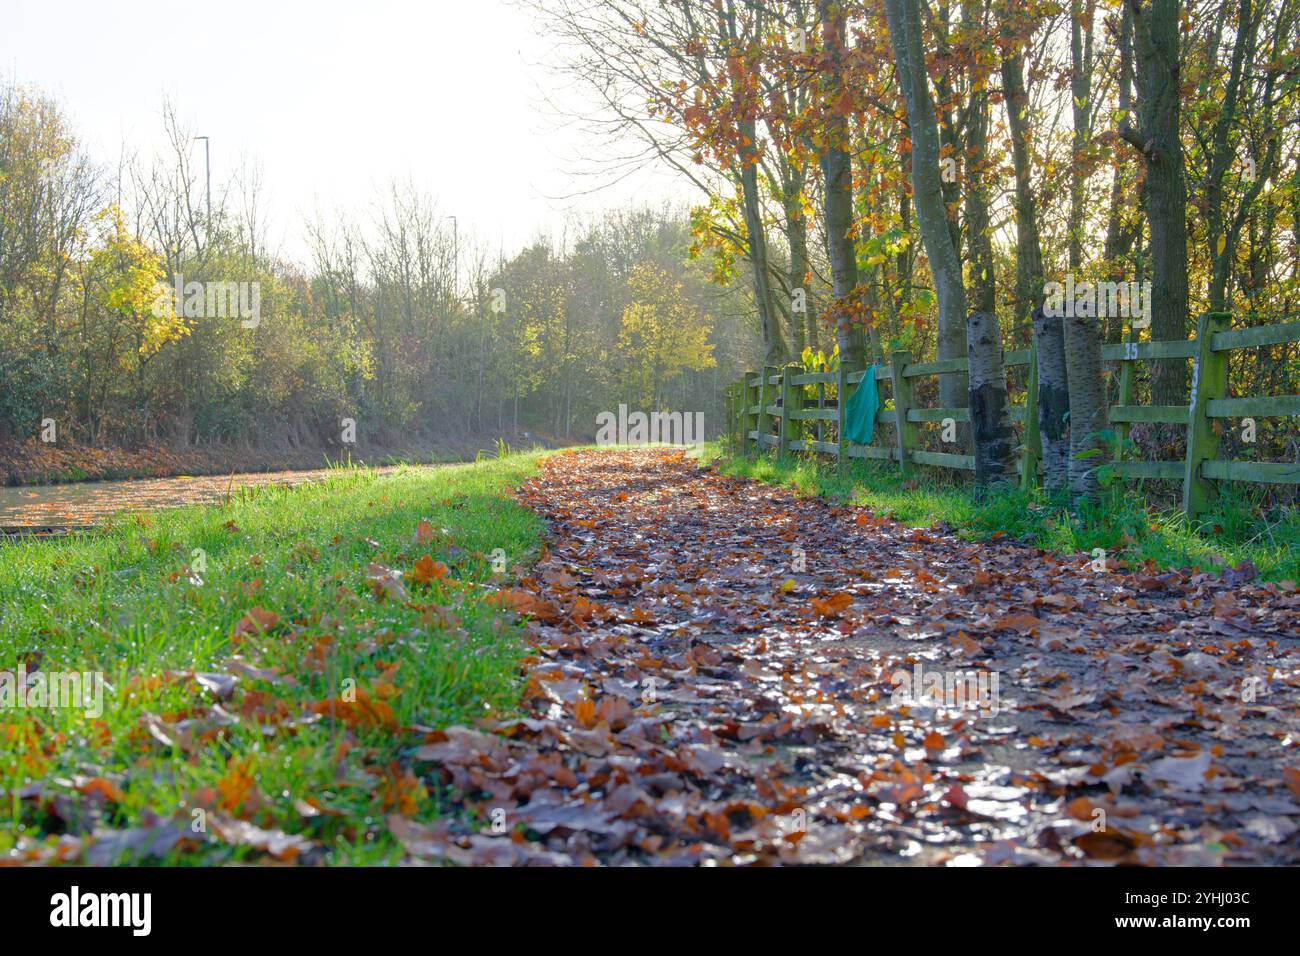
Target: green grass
[[1238, 530], [121, 601]]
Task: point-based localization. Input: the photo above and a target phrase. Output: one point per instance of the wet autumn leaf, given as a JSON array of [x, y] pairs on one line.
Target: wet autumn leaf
[[427, 570]]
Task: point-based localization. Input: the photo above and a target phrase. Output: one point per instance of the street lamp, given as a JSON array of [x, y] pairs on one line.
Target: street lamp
[[455, 268], [207, 169]]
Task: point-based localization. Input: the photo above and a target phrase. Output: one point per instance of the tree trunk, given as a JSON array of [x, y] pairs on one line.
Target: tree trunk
[[837, 173], [1081, 106], [1087, 404], [803, 325], [927, 198], [976, 202], [1156, 44], [774, 350], [1121, 236], [990, 421], [1053, 399], [1082, 334], [1049, 340]]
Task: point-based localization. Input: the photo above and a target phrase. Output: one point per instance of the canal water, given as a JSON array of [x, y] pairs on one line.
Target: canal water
[[78, 504]]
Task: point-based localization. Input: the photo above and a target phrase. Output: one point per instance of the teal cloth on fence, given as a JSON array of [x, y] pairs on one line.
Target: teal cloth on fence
[[860, 413]]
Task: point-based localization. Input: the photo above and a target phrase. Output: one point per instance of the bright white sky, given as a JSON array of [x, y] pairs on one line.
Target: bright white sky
[[333, 98]]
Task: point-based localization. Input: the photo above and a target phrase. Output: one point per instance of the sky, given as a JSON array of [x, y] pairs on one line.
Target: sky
[[333, 100]]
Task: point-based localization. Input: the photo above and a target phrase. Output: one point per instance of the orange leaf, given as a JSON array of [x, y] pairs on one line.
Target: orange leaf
[[257, 621], [833, 606], [103, 787], [1291, 776], [585, 712], [427, 570]]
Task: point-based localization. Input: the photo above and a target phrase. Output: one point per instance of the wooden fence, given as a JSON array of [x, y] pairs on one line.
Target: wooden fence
[[762, 410]]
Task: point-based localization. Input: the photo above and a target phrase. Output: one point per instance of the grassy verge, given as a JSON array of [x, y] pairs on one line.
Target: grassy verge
[[270, 661], [1237, 531]]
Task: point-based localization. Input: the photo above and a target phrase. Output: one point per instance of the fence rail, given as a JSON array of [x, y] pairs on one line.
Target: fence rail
[[763, 407]]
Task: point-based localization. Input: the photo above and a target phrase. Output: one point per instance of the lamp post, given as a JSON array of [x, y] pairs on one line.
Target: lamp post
[[207, 170], [455, 268]]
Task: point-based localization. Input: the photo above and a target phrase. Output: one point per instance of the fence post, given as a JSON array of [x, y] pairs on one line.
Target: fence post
[[741, 393], [1032, 450], [742, 411], [764, 420], [733, 409], [820, 428], [787, 407], [1126, 367], [1209, 381], [907, 433], [751, 409], [745, 404], [841, 390]]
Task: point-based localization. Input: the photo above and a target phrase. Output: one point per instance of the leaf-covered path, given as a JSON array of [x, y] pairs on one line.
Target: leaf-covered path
[[716, 679]]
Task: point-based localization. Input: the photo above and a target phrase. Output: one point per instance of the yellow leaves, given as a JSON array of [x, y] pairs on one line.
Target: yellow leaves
[[122, 289], [662, 332]]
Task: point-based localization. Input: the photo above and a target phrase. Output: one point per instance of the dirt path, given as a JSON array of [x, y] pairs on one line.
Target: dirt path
[[714, 681]]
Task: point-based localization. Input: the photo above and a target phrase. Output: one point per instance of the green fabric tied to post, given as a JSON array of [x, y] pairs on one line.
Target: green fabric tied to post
[[860, 412]]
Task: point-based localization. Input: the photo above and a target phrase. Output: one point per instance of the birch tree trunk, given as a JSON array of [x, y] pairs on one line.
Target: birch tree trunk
[[1053, 399], [1087, 404], [1049, 340], [1088, 414]]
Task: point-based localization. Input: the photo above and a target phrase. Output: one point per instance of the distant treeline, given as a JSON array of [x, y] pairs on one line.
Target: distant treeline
[[402, 326]]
